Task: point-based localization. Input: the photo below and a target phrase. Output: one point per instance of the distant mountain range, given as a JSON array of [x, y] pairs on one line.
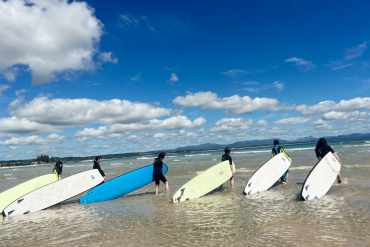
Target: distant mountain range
[[239, 144], [355, 136]]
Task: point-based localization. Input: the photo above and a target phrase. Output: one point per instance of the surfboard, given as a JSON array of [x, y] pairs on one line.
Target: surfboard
[[54, 193], [265, 176], [321, 178], [20, 190], [205, 182], [121, 185]]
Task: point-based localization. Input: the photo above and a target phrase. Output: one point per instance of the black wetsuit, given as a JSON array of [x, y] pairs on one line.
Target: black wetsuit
[[158, 174], [228, 157], [322, 151], [97, 166], [57, 171]]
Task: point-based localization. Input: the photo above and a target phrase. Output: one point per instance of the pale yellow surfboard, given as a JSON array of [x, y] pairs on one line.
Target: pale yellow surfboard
[[22, 189], [205, 182]]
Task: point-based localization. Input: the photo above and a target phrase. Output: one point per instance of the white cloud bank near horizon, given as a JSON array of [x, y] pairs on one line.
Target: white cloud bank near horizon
[[36, 34]]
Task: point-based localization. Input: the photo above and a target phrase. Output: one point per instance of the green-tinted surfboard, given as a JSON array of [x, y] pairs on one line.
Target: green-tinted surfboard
[[20, 190], [205, 182]]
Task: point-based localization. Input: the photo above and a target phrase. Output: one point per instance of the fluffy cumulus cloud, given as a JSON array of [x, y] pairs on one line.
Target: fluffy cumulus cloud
[[3, 88], [262, 123], [173, 123], [292, 120], [173, 78], [343, 105], [84, 111], [49, 37], [333, 115], [301, 63], [232, 125], [33, 140], [232, 105], [24, 126]]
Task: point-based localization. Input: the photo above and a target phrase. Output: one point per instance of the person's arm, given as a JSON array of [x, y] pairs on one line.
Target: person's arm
[[231, 166], [282, 149], [101, 171], [336, 156]]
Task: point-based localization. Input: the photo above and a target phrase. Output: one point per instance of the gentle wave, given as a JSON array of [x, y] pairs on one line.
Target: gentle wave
[[355, 165], [191, 155], [299, 149], [145, 158], [243, 170], [10, 178], [176, 160], [301, 168], [8, 174], [76, 165], [253, 152], [363, 145], [117, 164]]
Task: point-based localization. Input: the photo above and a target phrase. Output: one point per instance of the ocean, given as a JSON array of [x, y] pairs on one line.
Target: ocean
[[221, 218]]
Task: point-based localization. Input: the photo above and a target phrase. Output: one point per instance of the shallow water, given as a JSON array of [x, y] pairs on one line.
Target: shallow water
[[221, 218]]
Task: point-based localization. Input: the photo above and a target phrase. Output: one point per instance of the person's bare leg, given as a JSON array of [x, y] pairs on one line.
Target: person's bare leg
[[232, 182], [156, 189], [167, 187], [339, 178]]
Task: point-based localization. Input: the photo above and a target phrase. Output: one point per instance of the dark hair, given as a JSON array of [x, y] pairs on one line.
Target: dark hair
[[59, 165], [97, 158], [161, 155], [227, 150], [276, 142], [321, 143]]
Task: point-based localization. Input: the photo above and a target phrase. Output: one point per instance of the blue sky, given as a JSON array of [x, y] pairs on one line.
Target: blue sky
[[91, 78]]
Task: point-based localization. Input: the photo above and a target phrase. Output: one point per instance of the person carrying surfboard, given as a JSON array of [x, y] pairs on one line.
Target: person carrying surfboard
[[322, 148], [227, 156], [97, 166], [158, 172], [279, 149], [58, 168]]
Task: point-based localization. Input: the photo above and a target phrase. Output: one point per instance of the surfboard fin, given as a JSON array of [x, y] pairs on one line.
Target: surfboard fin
[[182, 193], [306, 187], [19, 201]]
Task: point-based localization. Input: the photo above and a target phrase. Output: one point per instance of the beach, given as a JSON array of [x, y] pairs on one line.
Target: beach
[[276, 217]]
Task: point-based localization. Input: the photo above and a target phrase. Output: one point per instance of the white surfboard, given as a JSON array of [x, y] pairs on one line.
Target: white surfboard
[[205, 182], [54, 193], [267, 174], [321, 178]]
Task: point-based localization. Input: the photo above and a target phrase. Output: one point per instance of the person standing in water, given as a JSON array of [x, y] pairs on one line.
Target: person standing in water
[[58, 168], [97, 166], [158, 172], [227, 156], [322, 148], [279, 149]]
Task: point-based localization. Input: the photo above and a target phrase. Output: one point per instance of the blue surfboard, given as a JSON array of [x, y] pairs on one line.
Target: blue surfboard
[[121, 185]]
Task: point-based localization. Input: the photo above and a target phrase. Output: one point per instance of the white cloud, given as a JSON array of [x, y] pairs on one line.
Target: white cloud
[[136, 77], [355, 51], [319, 122], [24, 126], [292, 120], [18, 92], [3, 88], [50, 37], [333, 115], [280, 107], [337, 65], [84, 111], [232, 125], [250, 83], [33, 140], [107, 57], [234, 72], [232, 105], [117, 130], [13, 147], [320, 108], [300, 62], [173, 78], [262, 123], [278, 85], [353, 104]]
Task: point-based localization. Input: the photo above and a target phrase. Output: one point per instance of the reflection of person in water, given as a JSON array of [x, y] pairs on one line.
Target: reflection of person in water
[[322, 148], [158, 172]]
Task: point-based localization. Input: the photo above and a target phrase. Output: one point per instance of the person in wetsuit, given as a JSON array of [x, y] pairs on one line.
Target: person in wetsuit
[[227, 156], [322, 148], [97, 166], [58, 168], [158, 172], [279, 149]]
